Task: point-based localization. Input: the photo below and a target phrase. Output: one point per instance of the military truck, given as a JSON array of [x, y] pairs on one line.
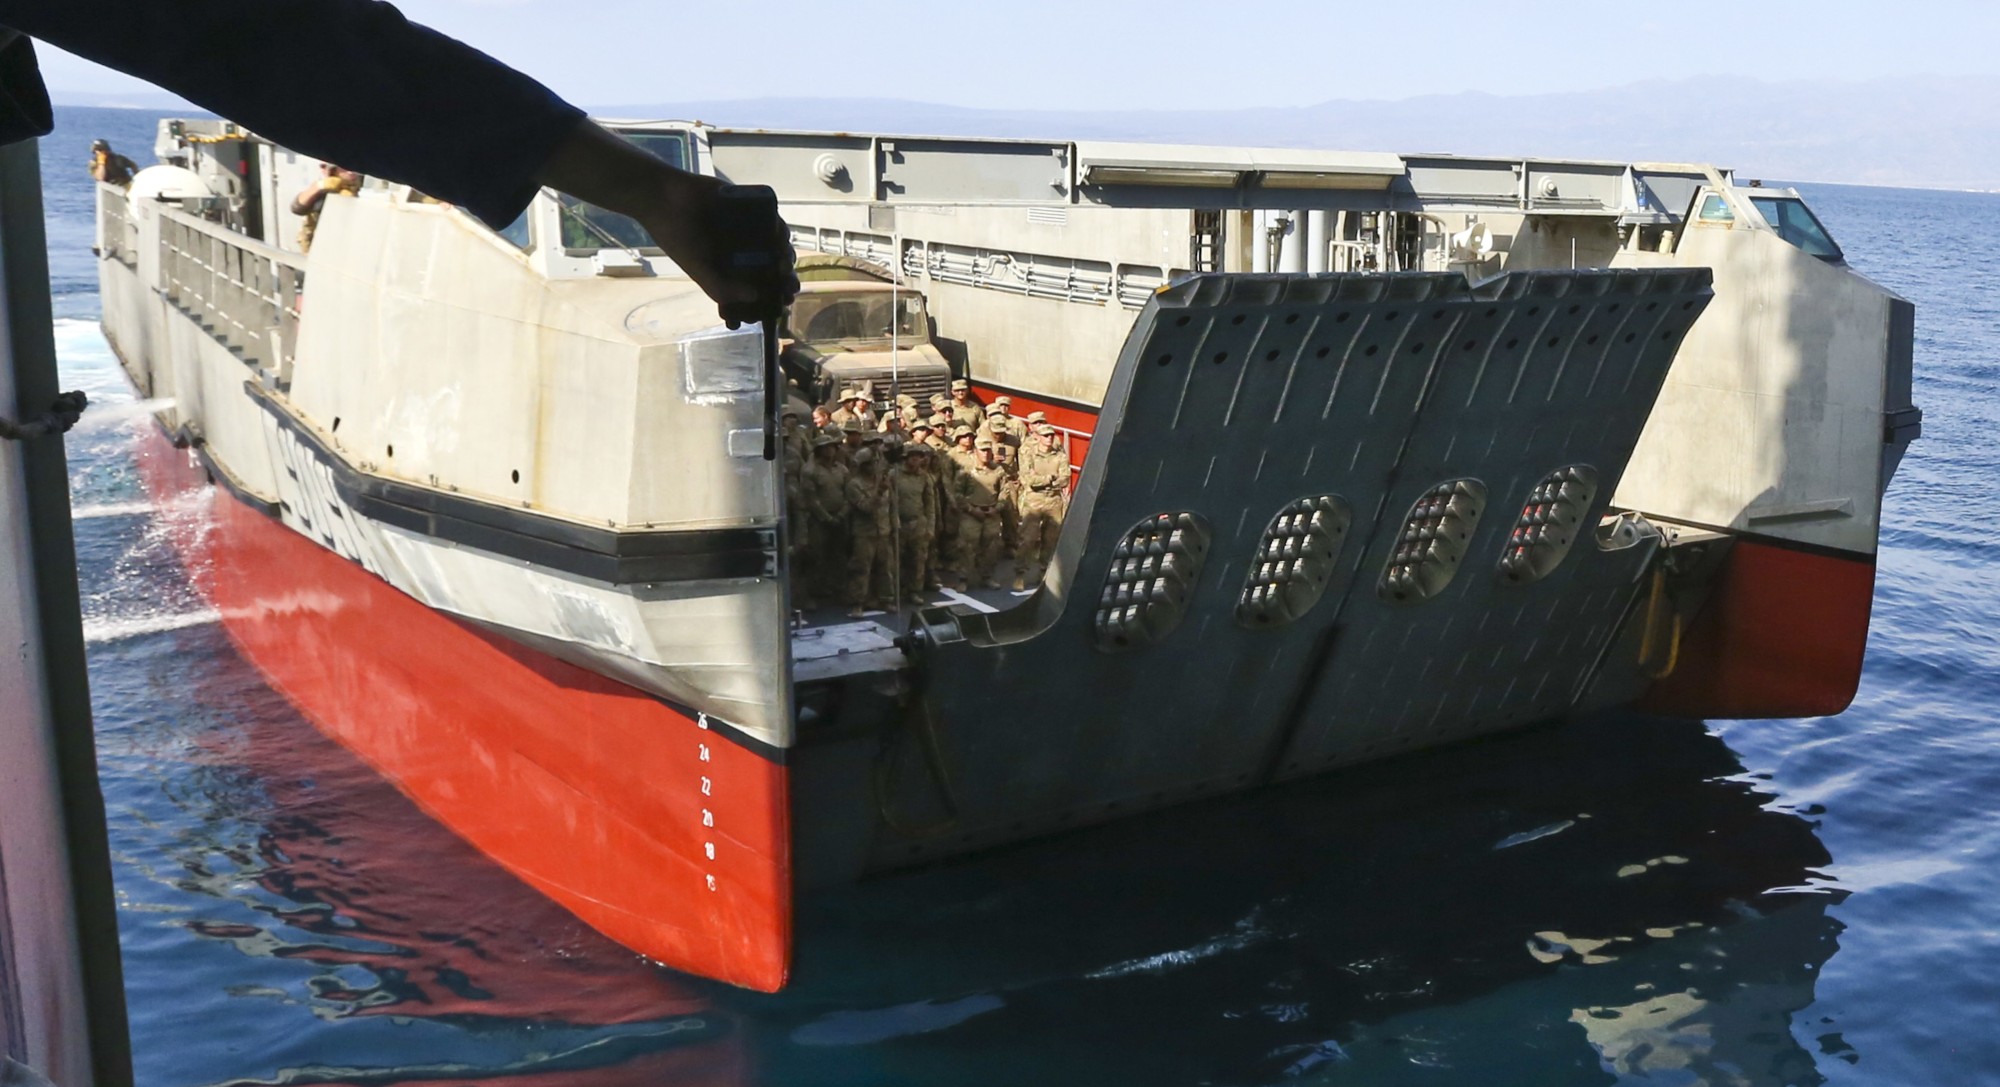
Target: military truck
[[852, 325]]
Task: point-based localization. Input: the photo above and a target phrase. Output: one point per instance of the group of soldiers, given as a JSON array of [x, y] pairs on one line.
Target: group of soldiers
[[888, 506]]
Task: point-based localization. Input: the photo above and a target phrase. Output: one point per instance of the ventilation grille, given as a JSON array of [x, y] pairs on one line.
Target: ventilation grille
[[1294, 561], [1549, 523], [1151, 579], [1433, 542]]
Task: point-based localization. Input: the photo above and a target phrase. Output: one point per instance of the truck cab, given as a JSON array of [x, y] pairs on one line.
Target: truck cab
[[853, 325]]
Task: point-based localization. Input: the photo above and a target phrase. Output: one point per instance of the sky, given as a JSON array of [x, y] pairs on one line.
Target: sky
[[1120, 54]]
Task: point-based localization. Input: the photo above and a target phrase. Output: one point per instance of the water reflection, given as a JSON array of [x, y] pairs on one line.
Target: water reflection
[[1609, 901]]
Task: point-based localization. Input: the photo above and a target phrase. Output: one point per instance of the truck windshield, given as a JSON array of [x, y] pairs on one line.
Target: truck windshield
[[857, 315], [1796, 223], [588, 227]]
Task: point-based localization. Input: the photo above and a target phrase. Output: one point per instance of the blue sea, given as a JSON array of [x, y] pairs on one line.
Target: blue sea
[[1621, 901]]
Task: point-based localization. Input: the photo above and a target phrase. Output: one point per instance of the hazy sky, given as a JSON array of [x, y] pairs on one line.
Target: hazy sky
[[1120, 54]]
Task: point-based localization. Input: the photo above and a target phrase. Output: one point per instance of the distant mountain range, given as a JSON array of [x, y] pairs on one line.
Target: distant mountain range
[[138, 99], [1930, 132]]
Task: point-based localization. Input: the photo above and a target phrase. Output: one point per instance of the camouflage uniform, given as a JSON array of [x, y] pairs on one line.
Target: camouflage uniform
[[823, 498], [968, 410], [868, 526], [1044, 500], [976, 494], [917, 521], [798, 526], [1007, 455]]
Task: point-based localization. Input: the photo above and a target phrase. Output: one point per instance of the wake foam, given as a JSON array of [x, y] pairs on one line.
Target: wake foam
[[97, 631]]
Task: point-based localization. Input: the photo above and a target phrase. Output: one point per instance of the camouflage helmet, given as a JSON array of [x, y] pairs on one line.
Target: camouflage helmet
[[962, 430]]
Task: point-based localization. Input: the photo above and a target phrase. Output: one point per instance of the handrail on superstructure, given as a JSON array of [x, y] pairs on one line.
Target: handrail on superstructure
[[243, 292]]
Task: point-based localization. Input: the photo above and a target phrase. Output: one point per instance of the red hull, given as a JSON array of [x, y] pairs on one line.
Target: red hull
[[654, 830], [1782, 635]]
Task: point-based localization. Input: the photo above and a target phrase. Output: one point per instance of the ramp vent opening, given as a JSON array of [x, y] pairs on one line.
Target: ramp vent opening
[[1151, 580], [1433, 542], [1294, 561], [1551, 520]]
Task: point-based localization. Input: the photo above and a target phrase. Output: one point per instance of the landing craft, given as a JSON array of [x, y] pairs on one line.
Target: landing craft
[[1373, 453]]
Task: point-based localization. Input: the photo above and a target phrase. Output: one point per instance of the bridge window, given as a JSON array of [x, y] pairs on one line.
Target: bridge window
[[1151, 580], [1294, 561], [517, 233], [587, 227], [1794, 222]]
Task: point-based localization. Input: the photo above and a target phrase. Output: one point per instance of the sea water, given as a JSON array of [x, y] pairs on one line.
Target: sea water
[[1624, 901]]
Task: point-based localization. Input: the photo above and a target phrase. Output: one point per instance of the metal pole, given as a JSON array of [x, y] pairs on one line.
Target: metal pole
[[59, 616]]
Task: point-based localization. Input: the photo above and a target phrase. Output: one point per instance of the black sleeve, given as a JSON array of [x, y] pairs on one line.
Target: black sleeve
[[348, 81]]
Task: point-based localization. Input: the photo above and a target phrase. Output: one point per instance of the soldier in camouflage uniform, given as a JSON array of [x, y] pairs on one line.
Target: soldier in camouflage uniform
[[869, 514], [823, 498], [1044, 500], [1015, 430], [798, 525], [854, 406], [795, 438], [1006, 453], [964, 409], [917, 521], [976, 495]]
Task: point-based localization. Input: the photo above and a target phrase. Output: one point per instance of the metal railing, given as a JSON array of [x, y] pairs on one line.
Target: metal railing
[[245, 293], [120, 232]]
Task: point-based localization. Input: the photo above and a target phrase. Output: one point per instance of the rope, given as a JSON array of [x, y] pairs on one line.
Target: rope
[[1647, 638], [61, 416]]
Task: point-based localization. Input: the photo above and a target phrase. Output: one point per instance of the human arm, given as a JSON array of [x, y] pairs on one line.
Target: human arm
[[683, 213], [353, 82]]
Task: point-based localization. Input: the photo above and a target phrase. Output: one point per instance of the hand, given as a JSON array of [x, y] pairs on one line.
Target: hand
[[738, 253], [744, 261]]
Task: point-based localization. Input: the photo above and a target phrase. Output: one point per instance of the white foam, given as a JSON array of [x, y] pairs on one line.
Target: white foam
[[111, 509], [99, 631]]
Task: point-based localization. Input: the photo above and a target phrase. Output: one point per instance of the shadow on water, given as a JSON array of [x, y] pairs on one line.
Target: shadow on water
[[1604, 901], [1607, 900]]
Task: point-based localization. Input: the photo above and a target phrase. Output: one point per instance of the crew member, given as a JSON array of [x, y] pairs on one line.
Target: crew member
[[109, 166], [1044, 501], [1009, 461], [868, 526], [823, 494], [976, 494], [917, 521], [963, 447], [333, 181], [964, 408]]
